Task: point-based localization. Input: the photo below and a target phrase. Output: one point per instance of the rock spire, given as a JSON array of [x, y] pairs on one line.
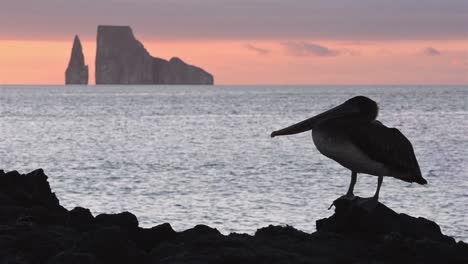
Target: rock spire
[[77, 70]]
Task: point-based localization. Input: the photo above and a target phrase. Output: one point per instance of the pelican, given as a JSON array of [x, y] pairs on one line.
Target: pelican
[[351, 135]]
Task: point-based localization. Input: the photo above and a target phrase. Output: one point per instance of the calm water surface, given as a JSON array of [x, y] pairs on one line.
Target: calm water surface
[[203, 155]]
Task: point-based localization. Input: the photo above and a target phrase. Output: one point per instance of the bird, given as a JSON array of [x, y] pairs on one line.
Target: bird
[[351, 135]]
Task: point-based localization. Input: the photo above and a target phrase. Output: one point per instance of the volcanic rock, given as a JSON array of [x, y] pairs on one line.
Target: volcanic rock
[[77, 71], [35, 228], [80, 219], [122, 59], [351, 218], [124, 220]]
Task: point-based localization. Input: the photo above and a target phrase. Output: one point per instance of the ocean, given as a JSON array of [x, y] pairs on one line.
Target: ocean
[[192, 155]]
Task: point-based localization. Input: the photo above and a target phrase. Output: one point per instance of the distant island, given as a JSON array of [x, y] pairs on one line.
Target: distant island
[[122, 59], [77, 70]]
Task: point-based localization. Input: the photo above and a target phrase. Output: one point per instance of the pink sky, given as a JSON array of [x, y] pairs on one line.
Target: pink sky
[[250, 41], [264, 62]]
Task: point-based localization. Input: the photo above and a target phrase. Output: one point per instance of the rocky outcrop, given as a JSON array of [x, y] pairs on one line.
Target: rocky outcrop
[[77, 70], [175, 71], [34, 228], [351, 218], [122, 59]]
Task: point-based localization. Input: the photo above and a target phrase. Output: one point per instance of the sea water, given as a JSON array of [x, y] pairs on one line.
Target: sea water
[[192, 155]]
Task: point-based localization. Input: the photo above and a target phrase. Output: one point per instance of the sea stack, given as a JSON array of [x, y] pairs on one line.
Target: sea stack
[[77, 71], [122, 59]]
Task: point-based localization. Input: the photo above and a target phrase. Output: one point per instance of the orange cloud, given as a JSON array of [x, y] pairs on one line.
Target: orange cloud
[[305, 49], [258, 50], [430, 51]]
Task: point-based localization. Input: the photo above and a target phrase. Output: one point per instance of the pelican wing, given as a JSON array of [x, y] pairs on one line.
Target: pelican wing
[[390, 147]]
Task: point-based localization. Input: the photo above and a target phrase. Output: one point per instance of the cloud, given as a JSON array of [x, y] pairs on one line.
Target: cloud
[[304, 49], [258, 50], [430, 51], [351, 52]]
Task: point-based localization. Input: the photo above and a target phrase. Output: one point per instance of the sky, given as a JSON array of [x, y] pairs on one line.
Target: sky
[[259, 42]]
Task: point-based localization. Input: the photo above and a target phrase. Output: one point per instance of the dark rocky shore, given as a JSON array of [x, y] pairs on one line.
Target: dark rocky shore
[[34, 228]]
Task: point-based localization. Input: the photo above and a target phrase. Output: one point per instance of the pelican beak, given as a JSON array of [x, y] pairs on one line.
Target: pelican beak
[[344, 109]]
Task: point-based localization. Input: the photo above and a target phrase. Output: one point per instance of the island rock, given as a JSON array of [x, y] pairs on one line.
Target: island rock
[[77, 70], [122, 59]]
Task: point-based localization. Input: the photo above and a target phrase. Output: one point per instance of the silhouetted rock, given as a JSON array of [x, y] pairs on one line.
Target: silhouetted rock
[[352, 218], [149, 238], [122, 59], [123, 220], [110, 245], [34, 228], [80, 218], [77, 70], [70, 257], [28, 190], [200, 230], [175, 71]]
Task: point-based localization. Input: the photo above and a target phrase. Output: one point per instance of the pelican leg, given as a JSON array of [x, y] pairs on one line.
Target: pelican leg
[[370, 203], [379, 183], [350, 193]]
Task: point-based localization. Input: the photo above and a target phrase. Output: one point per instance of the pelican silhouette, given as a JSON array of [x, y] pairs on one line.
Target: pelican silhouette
[[351, 135]]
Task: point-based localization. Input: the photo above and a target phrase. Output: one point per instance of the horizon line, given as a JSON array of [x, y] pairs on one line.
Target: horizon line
[[259, 85]]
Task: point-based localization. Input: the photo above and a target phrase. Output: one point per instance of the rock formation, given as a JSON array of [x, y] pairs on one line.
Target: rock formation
[[175, 71], [77, 71], [34, 228], [122, 59]]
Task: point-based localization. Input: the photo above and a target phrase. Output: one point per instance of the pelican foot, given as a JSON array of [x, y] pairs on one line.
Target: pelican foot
[[349, 197], [367, 204]]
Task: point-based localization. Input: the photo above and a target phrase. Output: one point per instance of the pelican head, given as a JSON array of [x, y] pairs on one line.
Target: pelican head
[[357, 109]]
